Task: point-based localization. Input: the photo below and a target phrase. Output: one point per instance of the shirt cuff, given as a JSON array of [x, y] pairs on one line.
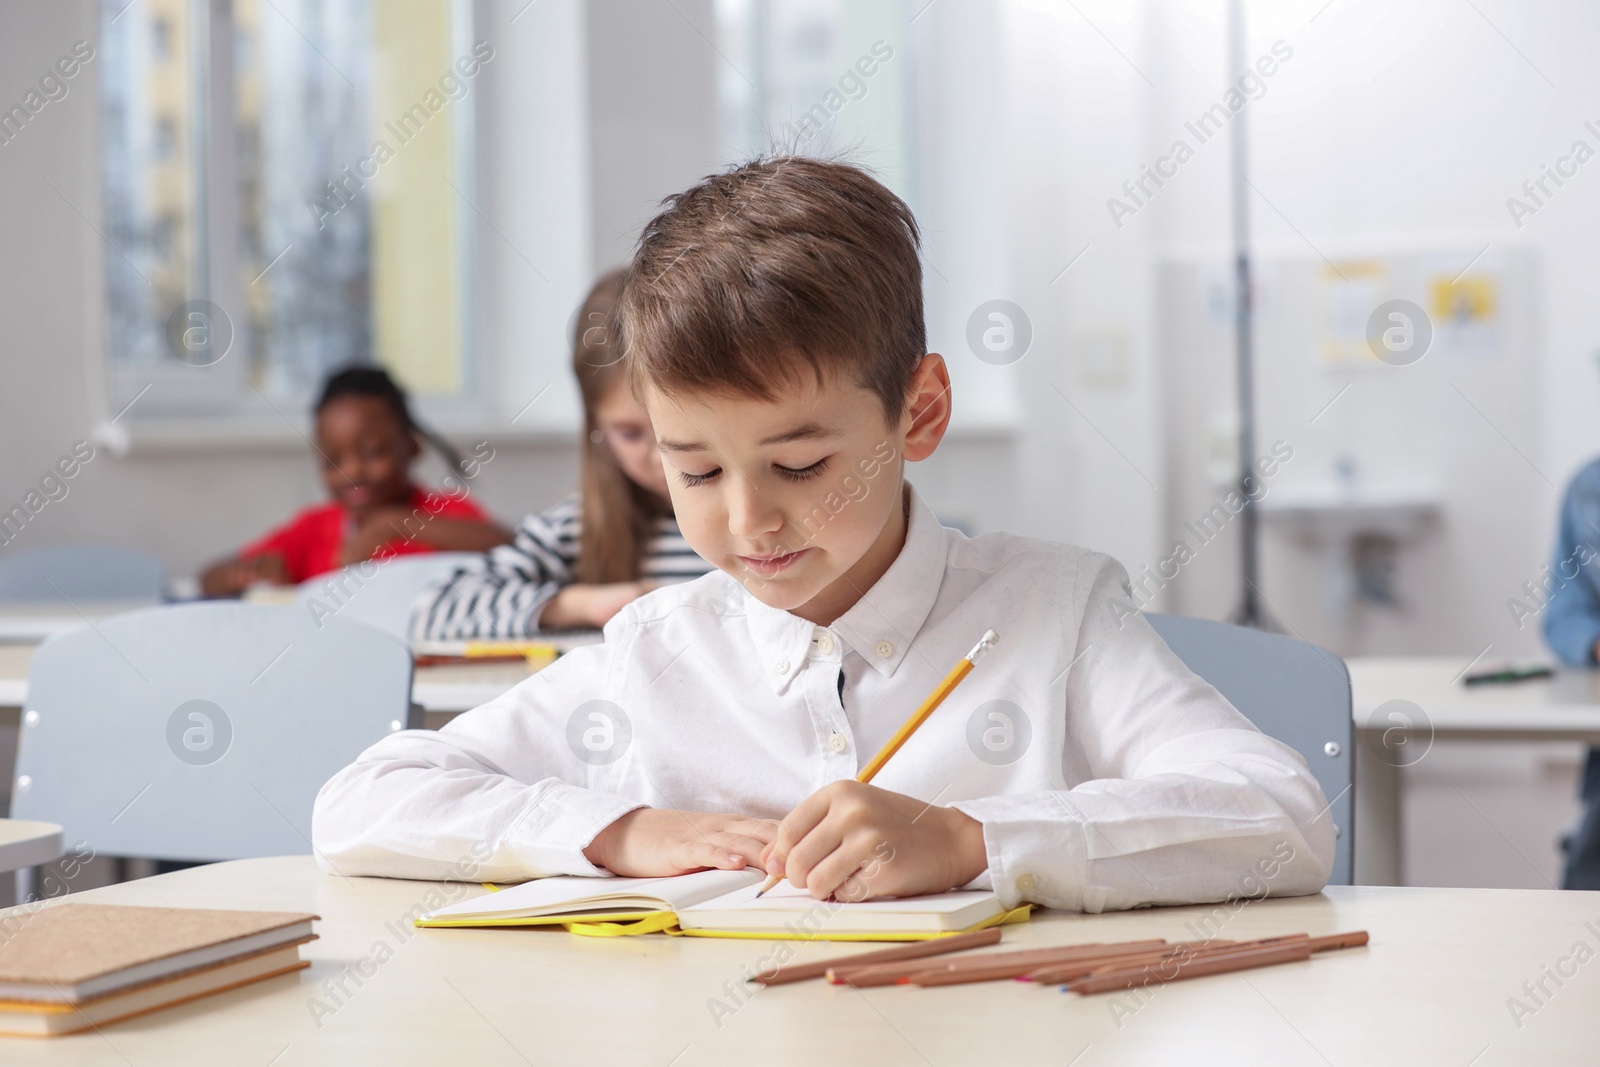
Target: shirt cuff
[[1036, 847], [572, 818]]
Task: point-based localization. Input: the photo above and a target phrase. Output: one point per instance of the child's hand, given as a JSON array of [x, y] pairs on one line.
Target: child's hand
[[237, 575], [379, 528], [654, 843], [590, 605], [854, 841]]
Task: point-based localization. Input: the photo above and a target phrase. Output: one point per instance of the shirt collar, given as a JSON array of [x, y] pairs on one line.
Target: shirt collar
[[884, 622], [880, 626]]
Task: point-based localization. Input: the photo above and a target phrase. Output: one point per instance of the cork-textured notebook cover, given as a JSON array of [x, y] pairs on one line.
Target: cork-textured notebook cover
[[72, 943]]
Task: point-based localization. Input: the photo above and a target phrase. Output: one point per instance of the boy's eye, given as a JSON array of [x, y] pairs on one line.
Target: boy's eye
[[692, 480], [802, 473]]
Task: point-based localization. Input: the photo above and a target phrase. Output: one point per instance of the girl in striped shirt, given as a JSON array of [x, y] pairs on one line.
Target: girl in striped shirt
[[575, 565]]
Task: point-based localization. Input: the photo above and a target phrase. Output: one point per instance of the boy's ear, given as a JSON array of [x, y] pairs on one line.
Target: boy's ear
[[929, 410]]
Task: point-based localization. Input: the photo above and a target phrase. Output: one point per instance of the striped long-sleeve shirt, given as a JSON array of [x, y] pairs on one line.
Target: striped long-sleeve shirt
[[503, 594]]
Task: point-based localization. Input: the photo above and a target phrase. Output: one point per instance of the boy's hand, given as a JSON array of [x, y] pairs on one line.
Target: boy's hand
[[854, 841], [654, 843]]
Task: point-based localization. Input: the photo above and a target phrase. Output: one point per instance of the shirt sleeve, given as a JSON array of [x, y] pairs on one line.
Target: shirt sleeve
[[282, 542], [1572, 615], [503, 594], [1187, 802], [500, 790]]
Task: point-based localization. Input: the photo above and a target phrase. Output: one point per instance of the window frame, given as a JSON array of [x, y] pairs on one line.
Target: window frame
[[173, 403]]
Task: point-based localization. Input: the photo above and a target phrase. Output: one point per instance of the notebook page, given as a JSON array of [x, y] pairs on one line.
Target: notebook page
[[562, 894], [785, 897]]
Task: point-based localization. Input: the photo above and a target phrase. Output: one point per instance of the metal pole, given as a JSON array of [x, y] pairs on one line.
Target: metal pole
[[1249, 611]]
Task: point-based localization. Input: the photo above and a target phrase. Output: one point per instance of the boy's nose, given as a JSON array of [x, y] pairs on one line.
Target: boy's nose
[[750, 516]]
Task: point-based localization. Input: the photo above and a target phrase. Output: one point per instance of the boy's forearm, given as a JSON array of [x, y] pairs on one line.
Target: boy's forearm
[[1181, 835], [417, 806]]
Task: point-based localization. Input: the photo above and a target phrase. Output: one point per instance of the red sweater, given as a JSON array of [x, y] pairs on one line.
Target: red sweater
[[309, 543]]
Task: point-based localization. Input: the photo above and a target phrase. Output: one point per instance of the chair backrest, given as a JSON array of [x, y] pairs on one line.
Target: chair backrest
[[379, 594], [86, 572], [202, 731], [1293, 691]]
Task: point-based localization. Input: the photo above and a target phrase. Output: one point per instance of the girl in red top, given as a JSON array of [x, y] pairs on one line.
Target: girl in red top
[[367, 441]]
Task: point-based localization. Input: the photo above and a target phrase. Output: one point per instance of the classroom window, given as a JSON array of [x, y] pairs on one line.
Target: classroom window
[[908, 89], [290, 179]]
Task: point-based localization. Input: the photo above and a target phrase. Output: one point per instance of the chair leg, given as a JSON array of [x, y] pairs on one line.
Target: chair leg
[[130, 868], [25, 879]]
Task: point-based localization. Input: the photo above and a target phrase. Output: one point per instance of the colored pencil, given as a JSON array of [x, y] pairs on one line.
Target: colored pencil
[[1196, 967], [919, 950], [873, 974]]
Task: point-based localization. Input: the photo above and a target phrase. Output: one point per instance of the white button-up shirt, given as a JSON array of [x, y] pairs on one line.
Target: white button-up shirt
[[1105, 773]]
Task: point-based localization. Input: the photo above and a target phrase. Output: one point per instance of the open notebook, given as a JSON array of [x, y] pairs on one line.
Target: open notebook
[[721, 904]]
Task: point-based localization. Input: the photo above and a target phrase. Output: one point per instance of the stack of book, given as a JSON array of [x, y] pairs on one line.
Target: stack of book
[[75, 966]]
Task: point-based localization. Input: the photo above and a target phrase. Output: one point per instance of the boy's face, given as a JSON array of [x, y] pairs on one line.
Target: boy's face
[[800, 498]]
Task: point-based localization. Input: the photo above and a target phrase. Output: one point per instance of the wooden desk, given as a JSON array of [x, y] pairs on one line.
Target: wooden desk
[[1431, 988], [25, 843], [31, 623], [1392, 736], [1565, 707]]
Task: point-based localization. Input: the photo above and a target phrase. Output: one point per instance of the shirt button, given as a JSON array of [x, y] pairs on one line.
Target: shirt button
[[884, 650], [1027, 883], [825, 643], [782, 667], [838, 742]]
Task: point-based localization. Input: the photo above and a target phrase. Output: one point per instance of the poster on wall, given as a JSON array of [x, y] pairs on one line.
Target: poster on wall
[[1451, 311], [1346, 294], [1465, 312]]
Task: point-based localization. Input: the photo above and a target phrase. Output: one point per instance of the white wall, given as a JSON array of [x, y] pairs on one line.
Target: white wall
[[1402, 130]]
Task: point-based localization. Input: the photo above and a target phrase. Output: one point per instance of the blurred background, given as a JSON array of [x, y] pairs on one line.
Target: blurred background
[[328, 182]]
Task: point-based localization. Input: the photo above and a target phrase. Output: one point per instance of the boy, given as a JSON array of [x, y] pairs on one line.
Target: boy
[[773, 325]]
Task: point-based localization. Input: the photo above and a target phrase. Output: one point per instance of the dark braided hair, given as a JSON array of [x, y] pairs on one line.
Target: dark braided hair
[[375, 382]]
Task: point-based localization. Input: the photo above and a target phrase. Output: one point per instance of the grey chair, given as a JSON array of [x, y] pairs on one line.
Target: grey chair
[[384, 596], [1292, 691], [86, 572], [202, 731]]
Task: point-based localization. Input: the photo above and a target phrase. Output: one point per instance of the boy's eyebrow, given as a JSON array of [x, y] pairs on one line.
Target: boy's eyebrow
[[808, 432]]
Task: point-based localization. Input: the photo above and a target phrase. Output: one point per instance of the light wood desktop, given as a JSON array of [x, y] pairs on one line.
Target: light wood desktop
[[26, 843], [29, 623], [1432, 987]]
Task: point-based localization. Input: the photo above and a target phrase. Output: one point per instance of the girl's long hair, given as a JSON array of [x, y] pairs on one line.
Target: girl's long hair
[[618, 516]]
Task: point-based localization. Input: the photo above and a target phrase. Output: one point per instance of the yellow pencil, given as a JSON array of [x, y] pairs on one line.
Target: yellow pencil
[[962, 668]]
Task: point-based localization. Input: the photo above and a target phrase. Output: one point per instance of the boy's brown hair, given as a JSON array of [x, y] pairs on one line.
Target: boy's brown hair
[[772, 265]]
